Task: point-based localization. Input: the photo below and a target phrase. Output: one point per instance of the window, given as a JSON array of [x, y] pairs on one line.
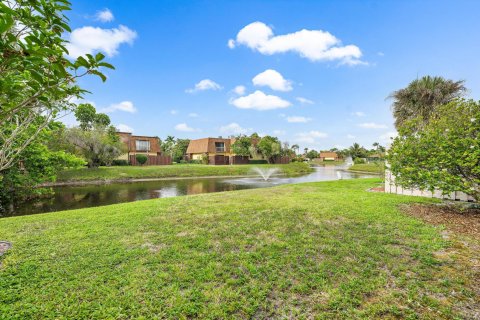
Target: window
[[220, 146], [142, 145]]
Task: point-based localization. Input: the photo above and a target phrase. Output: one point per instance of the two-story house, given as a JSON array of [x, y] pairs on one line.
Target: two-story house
[[218, 151], [149, 146]]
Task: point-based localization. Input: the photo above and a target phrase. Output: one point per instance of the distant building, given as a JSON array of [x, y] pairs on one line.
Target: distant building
[[149, 146], [217, 150], [328, 156]]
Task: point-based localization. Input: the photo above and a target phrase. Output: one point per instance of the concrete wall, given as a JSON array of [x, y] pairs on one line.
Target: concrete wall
[[391, 187]]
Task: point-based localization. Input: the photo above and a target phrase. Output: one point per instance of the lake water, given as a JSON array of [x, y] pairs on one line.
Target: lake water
[[76, 197]]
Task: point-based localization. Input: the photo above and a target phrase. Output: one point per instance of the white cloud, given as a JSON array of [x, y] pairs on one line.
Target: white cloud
[[260, 101], [304, 100], [193, 115], [124, 128], [310, 137], [273, 79], [358, 114], [297, 119], [104, 15], [240, 90], [372, 125], [126, 106], [205, 84], [350, 136], [387, 137], [184, 127], [173, 112], [231, 43], [234, 128], [91, 39], [380, 53], [315, 45], [279, 132]]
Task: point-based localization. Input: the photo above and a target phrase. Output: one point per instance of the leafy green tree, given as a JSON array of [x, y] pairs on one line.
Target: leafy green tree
[[88, 117], [357, 151], [168, 145], [37, 80], [269, 147], [295, 148], [444, 155], [40, 163], [179, 149], [242, 146], [422, 97], [141, 158], [312, 154]]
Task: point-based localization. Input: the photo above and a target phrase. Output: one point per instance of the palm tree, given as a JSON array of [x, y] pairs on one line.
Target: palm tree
[[356, 151], [421, 97], [295, 148]]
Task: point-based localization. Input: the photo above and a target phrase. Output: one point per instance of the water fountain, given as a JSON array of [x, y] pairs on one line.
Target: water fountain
[[265, 173]]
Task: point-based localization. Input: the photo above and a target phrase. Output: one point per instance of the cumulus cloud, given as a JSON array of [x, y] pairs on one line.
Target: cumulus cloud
[[315, 45], [273, 79], [234, 128], [92, 39], [260, 101], [205, 84], [358, 114], [297, 119], [304, 100], [310, 137], [184, 128], [173, 112], [104, 15], [193, 115], [124, 128], [240, 90], [372, 125], [126, 106]]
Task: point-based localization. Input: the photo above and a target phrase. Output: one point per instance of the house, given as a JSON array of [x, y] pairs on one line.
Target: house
[[216, 150], [328, 156], [149, 146]]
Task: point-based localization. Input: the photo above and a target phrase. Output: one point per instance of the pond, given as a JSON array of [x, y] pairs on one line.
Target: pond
[[76, 197]]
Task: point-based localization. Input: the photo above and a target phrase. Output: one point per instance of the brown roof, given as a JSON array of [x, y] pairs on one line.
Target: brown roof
[[207, 145], [328, 155]]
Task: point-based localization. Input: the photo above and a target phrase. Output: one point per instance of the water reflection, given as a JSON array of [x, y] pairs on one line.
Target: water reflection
[[66, 198]]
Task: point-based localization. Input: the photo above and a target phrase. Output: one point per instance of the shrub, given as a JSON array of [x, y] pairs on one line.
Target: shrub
[[258, 161], [141, 158], [118, 162], [359, 161], [205, 159]]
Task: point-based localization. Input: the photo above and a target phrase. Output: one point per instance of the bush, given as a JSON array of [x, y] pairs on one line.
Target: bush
[[195, 161], [141, 158], [258, 162], [205, 159], [118, 162], [359, 161]]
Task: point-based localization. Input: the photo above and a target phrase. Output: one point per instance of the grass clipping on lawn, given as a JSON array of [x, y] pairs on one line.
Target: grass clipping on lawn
[[315, 250]]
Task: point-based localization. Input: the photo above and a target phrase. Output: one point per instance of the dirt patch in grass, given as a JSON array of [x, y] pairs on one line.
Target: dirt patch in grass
[[465, 221]]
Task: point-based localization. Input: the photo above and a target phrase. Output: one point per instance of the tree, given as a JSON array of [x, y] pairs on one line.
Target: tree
[[168, 145], [37, 80], [179, 149], [422, 97], [357, 151], [269, 147], [242, 146], [444, 155], [96, 142], [295, 148], [312, 154]]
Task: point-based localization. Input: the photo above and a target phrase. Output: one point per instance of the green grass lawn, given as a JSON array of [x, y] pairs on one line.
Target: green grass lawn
[[179, 170], [327, 250], [327, 163], [375, 167]]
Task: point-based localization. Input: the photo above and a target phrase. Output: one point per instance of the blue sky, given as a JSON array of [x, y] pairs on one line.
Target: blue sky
[[323, 87]]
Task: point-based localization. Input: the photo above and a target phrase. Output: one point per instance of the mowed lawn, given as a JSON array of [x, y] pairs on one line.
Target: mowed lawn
[[177, 170], [327, 250], [375, 167]]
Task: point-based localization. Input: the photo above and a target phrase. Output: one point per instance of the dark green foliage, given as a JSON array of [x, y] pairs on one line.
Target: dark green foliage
[[118, 162], [359, 161], [269, 147], [179, 149], [141, 158], [242, 146], [259, 161]]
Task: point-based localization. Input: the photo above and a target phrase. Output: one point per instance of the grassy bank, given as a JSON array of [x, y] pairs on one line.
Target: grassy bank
[[319, 250], [179, 170], [376, 167], [327, 163]]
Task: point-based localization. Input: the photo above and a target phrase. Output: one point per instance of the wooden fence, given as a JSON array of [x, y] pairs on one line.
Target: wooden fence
[[158, 160], [391, 187]]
